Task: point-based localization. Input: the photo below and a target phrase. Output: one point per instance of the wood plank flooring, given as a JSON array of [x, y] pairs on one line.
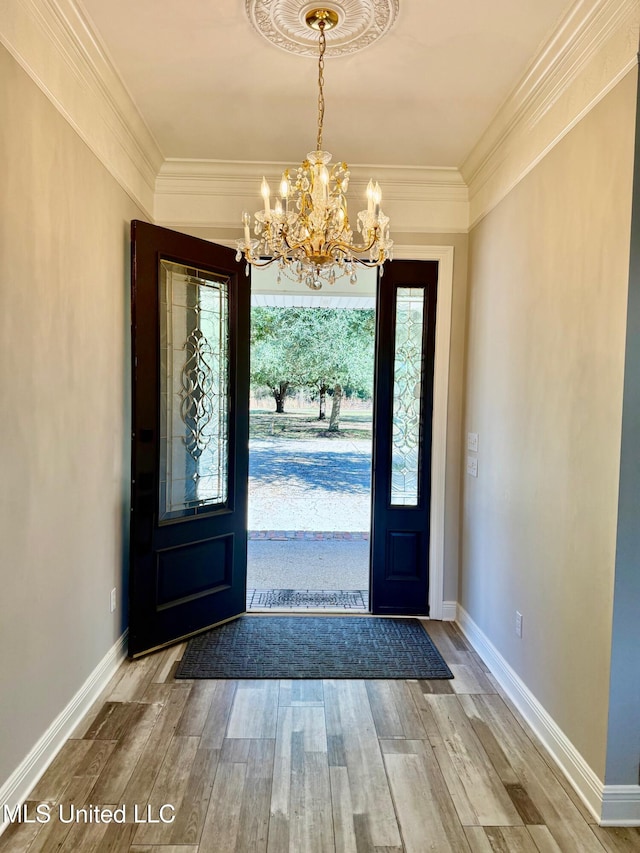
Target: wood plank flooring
[[309, 767]]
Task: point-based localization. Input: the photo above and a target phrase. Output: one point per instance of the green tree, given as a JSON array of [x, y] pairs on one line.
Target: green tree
[[268, 368], [321, 348], [338, 351], [354, 362], [273, 362]]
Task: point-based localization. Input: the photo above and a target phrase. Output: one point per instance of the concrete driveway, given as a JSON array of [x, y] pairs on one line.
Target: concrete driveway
[[310, 484]]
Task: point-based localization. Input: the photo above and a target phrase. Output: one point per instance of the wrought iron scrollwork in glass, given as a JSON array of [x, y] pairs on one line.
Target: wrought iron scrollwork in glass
[[198, 394], [194, 387], [407, 397]]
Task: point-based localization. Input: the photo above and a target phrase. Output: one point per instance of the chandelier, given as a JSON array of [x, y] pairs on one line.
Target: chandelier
[[306, 232]]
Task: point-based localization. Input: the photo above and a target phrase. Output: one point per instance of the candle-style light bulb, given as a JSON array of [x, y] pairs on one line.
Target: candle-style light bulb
[[323, 176], [377, 198], [284, 191], [370, 191], [246, 219], [266, 192]]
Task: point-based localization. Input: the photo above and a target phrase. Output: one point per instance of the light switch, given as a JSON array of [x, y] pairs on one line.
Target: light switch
[[472, 466], [472, 441]]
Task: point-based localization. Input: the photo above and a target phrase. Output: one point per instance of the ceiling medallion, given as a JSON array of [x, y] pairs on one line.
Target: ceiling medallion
[[284, 23]]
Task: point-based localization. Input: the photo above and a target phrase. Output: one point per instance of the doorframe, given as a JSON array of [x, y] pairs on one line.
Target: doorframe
[[444, 256]]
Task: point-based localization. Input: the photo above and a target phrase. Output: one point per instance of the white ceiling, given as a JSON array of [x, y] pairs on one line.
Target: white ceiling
[[210, 87]]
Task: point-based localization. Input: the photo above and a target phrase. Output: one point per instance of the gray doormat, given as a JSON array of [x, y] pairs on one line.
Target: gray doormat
[[313, 647], [340, 599]]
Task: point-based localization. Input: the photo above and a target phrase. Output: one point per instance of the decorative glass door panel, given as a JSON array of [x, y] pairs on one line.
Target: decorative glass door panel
[[403, 403], [407, 397], [194, 391]]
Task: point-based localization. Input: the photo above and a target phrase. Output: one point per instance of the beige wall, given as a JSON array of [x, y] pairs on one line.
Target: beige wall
[[64, 417], [544, 372]]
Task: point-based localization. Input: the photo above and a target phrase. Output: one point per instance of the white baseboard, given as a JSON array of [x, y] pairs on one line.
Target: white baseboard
[[25, 776], [449, 611], [611, 805], [620, 805]]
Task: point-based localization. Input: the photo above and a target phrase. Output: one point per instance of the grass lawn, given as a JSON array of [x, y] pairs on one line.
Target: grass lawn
[[304, 423]]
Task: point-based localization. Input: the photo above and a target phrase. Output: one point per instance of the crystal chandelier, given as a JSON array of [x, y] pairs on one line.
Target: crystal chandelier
[[306, 231]]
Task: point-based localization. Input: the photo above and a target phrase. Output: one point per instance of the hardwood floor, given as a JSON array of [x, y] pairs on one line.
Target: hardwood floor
[[308, 767]]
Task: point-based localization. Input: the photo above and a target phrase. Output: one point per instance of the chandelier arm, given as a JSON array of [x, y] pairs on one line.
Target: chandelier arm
[[291, 247], [261, 264], [369, 264], [258, 262], [339, 245], [284, 258], [349, 247]]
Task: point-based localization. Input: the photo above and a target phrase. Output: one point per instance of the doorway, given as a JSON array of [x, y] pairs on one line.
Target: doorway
[[190, 437], [310, 446]]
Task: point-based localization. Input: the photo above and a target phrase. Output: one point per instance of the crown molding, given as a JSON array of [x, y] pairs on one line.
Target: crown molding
[[213, 193], [56, 44], [241, 177], [593, 47]]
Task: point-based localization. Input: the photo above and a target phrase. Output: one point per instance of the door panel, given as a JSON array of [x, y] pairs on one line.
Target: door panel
[[190, 338], [403, 405]]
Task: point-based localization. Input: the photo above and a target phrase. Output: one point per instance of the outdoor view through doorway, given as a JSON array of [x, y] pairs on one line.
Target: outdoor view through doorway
[[309, 516]]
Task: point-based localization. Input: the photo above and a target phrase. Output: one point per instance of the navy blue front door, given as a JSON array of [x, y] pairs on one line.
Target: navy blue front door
[[190, 347], [403, 406]]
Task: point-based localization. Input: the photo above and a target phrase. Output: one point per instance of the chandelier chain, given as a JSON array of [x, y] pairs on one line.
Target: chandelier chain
[[323, 46]]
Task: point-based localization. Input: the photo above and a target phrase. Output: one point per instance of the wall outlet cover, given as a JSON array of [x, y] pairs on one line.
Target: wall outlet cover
[[518, 623]]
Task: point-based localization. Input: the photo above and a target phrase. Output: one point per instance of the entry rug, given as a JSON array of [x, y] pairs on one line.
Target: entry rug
[[314, 647]]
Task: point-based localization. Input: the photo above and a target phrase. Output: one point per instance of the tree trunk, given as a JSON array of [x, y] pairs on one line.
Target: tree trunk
[[279, 394], [323, 403], [334, 421]]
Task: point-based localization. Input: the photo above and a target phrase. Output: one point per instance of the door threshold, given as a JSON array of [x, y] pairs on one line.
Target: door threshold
[[303, 600], [306, 611]]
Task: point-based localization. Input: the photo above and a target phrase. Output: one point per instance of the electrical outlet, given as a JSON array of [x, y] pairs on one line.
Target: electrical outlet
[[472, 441], [112, 599], [472, 466], [518, 623]]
